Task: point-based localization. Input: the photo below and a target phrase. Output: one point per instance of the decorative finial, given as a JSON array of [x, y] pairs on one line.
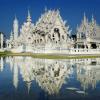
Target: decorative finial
[[84, 16], [93, 20], [58, 10], [85, 20], [11, 34], [15, 16], [15, 20], [92, 17], [29, 16], [45, 9], [28, 13]]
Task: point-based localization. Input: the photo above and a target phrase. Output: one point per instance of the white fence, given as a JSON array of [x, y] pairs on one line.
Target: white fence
[[84, 51], [56, 50], [68, 51]]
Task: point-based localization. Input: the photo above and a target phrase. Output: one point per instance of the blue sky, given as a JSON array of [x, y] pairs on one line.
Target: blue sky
[[71, 10]]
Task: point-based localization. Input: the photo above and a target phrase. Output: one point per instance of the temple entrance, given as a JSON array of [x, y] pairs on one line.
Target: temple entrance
[[93, 45]]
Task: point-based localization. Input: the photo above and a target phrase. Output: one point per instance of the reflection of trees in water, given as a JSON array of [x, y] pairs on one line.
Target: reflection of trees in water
[[50, 74]]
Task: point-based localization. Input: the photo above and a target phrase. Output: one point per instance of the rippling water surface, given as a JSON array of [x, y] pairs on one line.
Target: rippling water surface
[[26, 78]]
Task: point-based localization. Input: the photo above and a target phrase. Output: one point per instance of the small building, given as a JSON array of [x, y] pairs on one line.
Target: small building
[[88, 34]]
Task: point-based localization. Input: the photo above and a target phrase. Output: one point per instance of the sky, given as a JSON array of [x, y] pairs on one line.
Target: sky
[[70, 10]]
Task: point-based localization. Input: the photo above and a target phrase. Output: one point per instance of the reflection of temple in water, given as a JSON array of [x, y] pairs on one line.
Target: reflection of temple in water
[[1, 64], [88, 73], [50, 75]]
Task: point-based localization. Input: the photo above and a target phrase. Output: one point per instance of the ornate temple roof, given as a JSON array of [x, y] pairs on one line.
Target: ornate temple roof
[[89, 30], [47, 21]]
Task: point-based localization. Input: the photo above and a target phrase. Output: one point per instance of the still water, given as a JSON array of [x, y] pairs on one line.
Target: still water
[[26, 78]]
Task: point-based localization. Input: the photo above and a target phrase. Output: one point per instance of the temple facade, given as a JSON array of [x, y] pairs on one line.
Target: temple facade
[[88, 34], [50, 31], [50, 34]]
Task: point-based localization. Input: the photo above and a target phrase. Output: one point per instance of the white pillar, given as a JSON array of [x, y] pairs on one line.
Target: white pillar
[[7, 42], [89, 45], [15, 28], [1, 41]]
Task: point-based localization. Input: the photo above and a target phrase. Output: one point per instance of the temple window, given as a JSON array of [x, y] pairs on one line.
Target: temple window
[[49, 36], [83, 36], [53, 35], [35, 41], [93, 45], [29, 38], [50, 23], [46, 27], [56, 30], [43, 22], [40, 40], [12, 45], [53, 38], [42, 34]]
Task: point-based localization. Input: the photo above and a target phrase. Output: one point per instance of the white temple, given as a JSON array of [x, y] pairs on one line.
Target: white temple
[[88, 34], [51, 34]]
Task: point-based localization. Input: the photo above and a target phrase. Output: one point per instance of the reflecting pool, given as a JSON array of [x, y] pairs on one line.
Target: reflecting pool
[[26, 78]]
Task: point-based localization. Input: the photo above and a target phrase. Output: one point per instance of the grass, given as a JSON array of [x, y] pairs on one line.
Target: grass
[[49, 56]]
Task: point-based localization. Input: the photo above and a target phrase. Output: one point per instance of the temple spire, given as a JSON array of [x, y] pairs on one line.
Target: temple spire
[[92, 17], [93, 20], [85, 19], [15, 17], [84, 15], [11, 33], [45, 9], [29, 17], [15, 27]]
